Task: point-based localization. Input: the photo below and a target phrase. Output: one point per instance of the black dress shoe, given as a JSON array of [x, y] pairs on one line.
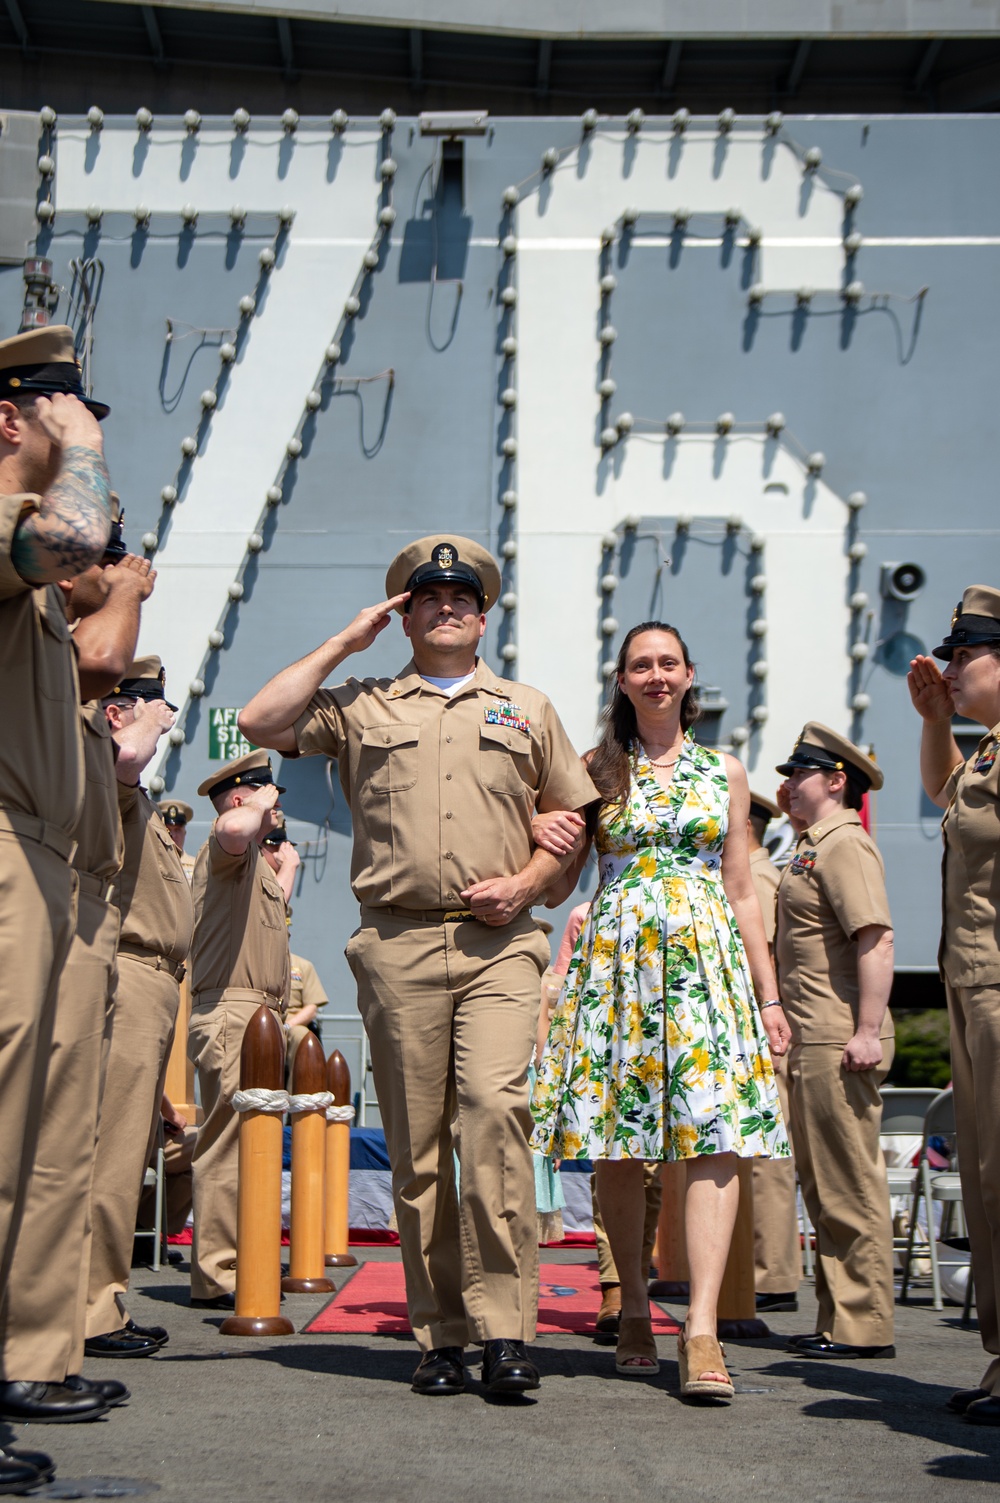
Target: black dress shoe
[[507, 1368], [109, 1389], [984, 1411], [123, 1343], [215, 1302], [17, 1474], [772, 1304], [175, 1256], [960, 1401], [822, 1346], [43, 1465], [806, 1336], [440, 1372], [155, 1333], [49, 1404]]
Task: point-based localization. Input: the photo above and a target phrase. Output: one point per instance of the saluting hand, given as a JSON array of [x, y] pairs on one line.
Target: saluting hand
[[67, 422], [265, 797], [157, 712], [930, 692], [287, 857], [133, 574], [368, 623]]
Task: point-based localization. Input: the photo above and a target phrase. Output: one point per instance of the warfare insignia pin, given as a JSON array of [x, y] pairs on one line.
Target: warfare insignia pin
[[444, 555], [509, 715]]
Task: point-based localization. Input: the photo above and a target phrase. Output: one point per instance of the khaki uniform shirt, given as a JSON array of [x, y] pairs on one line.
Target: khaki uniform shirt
[[833, 886], [970, 937], [240, 935], [41, 749], [306, 987], [441, 789], [765, 877], [151, 891], [100, 844]]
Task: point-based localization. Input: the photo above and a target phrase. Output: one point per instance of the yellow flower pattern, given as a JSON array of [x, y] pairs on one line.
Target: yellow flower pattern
[[656, 1050]]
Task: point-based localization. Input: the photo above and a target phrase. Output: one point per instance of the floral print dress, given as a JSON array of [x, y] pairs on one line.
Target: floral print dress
[[656, 1049]]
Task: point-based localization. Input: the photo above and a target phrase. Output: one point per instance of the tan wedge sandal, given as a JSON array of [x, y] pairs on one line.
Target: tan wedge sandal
[[703, 1354], [635, 1354]]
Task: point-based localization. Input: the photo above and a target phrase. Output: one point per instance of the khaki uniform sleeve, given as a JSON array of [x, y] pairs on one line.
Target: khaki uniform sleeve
[[854, 884], [128, 798], [222, 864], [951, 787], [319, 730], [565, 782], [12, 509], [312, 986]]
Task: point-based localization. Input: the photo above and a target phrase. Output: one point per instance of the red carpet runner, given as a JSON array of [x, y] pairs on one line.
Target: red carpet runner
[[373, 1303]]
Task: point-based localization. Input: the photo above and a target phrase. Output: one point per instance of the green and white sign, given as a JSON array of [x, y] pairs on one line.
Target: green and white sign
[[226, 741]]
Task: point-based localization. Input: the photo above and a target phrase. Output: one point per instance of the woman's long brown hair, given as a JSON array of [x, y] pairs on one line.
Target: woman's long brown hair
[[609, 762]]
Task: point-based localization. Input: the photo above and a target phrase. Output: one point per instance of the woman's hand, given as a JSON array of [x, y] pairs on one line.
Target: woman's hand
[[558, 832], [779, 1035], [929, 692]]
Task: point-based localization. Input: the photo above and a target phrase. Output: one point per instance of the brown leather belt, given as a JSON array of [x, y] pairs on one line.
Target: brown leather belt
[[427, 915], [237, 994], [40, 831], [175, 968], [98, 887]]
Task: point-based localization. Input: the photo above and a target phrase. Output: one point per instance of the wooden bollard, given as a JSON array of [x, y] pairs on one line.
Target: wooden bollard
[[671, 1249], [258, 1235], [305, 1265], [737, 1298], [338, 1166]]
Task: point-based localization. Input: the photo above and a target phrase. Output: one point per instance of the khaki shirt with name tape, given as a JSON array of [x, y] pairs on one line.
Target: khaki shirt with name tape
[[765, 877], [240, 934], [100, 843], [970, 938], [41, 748], [441, 789], [306, 987], [152, 890], [833, 886]]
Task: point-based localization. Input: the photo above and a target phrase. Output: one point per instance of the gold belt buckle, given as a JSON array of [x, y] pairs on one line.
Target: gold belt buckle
[[455, 915]]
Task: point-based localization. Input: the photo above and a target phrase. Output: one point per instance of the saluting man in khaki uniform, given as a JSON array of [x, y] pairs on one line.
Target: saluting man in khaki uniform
[[42, 1320], [176, 816], [443, 767], [55, 517], [834, 952], [154, 899], [239, 959], [969, 792], [777, 1255]]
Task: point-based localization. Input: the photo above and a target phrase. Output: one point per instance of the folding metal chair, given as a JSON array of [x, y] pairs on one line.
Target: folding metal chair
[[155, 1175], [904, 1109], [930, 1186]]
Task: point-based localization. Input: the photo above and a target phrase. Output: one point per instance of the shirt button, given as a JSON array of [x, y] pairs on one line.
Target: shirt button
[[448, 777], [388, 739], [447, 855], [448, 815], [447, 738]]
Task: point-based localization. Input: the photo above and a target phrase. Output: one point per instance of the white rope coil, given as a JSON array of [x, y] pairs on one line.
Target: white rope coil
[[317, 1102], [340, 1114], [256, 1099]]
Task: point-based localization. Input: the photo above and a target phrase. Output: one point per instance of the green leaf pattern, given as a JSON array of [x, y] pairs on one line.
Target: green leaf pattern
[[656, 1050]]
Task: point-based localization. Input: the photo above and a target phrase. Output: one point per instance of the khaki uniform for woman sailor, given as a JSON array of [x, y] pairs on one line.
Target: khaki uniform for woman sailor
[[42, 1322], [776, 1252], [442, 788], [239, 959], [833, 886], [154, 899], [970, 966]]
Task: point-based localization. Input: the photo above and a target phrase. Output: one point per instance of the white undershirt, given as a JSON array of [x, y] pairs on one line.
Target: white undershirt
[[449, 685]]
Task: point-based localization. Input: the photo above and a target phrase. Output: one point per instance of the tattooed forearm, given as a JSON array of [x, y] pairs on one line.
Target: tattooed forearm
[[70, 530]]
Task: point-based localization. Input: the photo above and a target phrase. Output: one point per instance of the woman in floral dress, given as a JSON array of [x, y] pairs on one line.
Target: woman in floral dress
[[660, 1046]]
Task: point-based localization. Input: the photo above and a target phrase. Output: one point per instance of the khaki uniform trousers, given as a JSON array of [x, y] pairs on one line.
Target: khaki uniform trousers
[[215, 1038], [142, 1031], [37, 921], [653, 1187], [42, 1325], [975, 1073], [777, 1253], [836, 1116], [451, 1012]]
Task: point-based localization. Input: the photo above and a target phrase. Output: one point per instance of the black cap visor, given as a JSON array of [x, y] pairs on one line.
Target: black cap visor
[[969, 631], [45, 381], [257, 777], [142, 688], [460, 574]]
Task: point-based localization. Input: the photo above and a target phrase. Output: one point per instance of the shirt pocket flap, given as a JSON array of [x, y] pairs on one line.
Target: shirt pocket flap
[[507, 737], [390, 736]]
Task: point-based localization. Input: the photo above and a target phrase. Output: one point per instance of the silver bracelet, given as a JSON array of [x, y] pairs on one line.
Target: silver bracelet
[[775, 1003]]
